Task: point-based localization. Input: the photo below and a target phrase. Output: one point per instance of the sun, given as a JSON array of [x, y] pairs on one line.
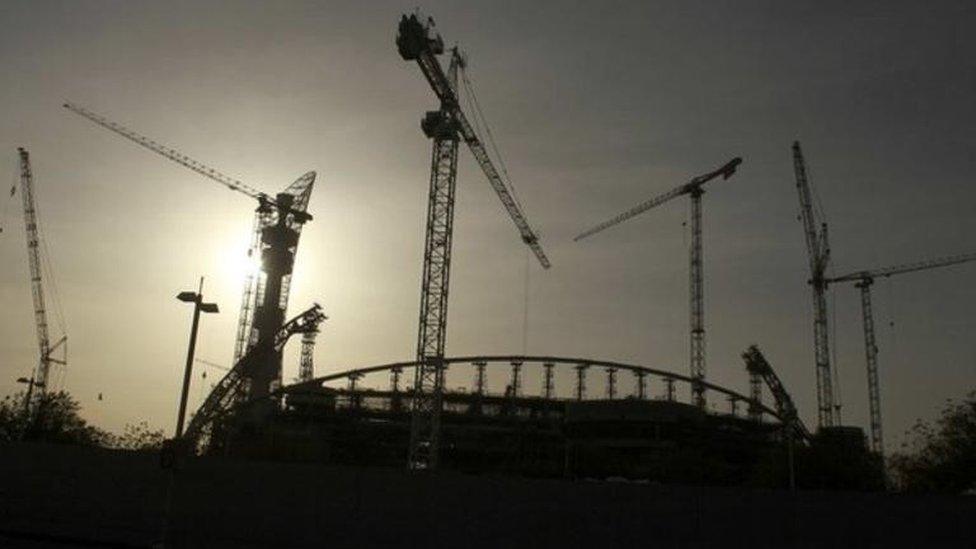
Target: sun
[[239, 263]]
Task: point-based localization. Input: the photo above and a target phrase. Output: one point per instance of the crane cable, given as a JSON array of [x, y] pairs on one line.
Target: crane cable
[[54, 294], [473, 103], [835, 378]]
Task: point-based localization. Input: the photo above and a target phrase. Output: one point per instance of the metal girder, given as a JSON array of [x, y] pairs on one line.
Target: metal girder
[[641, 385], [233, 388], [611, 383], [548, 384], [581, 380]]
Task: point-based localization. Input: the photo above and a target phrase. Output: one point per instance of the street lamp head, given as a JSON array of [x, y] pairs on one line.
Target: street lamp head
[[189, 297], [23, 380], [209, 308]]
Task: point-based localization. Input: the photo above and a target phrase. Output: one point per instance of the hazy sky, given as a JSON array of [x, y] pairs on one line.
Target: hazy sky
[[596, 107]]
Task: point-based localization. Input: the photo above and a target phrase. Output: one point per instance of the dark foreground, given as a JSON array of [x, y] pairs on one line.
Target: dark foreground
[[58, 496]]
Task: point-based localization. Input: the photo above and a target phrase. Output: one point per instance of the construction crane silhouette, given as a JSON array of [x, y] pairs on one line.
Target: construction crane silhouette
[[818, 253], [418, 41], [760, 371], [277, 226], [46, 348], [694, 189], [863, 280]]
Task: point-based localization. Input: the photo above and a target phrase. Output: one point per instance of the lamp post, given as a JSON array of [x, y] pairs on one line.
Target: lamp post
[[198, 306], [27, 401], [30, 390]]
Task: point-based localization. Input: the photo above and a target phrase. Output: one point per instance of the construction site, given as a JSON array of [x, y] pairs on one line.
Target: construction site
[[546, 418]]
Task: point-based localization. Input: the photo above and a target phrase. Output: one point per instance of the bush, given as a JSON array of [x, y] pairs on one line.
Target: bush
[[941, 457], [55, 418]]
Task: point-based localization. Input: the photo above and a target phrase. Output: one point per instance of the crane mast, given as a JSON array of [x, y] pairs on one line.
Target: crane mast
[[695, 271], [44, 345], [818, 253], [306, 367], [429, 377], [447, 126], [863, 280]]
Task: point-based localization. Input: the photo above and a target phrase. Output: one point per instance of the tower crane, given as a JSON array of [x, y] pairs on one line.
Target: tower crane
[[863, 280], [818, 252], [695, 190], [418, 41], [278, 224], [46, 348]]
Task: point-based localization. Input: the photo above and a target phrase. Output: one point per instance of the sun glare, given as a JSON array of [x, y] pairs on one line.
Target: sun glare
[[239, 264]]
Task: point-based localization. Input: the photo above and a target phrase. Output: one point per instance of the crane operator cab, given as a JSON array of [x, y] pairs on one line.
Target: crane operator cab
[[413, 37]]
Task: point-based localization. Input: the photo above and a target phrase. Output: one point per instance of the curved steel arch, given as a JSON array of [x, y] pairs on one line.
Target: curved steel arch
[[317, 382]]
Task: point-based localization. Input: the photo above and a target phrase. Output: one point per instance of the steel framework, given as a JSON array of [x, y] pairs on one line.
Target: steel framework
[[759, 368], [45, 348], [581, 380], [611, 383], [306, 367], [233, 388], [575, 364], [818, 253], [429, 378], [548, 386]]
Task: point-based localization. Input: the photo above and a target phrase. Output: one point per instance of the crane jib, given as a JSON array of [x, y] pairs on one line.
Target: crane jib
[[439, 82], [904, 268]]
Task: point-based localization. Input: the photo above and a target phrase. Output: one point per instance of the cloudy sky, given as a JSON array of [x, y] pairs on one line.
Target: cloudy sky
[[595, 107]]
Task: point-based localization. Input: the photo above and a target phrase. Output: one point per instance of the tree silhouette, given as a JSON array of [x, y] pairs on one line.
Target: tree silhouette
[[53, 417], [941, 457]]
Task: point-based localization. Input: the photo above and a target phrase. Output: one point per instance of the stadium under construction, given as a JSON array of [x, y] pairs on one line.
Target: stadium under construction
[[635, 437], [643, 434]]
